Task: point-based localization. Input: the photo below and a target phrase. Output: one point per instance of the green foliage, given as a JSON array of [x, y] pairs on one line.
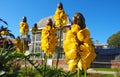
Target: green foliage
[[7, 59], [114, 40], [30, 72], [55, 72]]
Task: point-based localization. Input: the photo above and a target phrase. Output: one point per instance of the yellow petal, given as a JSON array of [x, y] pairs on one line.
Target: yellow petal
[[80, 36], [86, 32], [80, 65], [70, 35], [72, 54], [84, 51], [72, 65], [75, 28], [68, 46]]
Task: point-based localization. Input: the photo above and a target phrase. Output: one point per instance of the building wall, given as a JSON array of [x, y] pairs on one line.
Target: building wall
[[107, 58]]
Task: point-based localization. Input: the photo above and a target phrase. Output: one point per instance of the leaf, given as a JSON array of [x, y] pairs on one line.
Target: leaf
[[3, 21], [2, 72]]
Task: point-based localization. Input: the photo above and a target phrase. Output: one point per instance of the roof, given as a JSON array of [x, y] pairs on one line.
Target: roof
[[107, 51], [42, 23]]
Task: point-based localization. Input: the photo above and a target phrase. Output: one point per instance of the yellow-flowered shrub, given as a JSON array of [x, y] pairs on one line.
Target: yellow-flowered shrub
[[78, 48], [48, 40]]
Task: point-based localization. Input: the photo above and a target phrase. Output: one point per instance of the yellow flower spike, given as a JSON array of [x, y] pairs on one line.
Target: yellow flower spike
[[49, 40], [19, 44], [34, 29], [24, 28], [78, 46], [60, 17]]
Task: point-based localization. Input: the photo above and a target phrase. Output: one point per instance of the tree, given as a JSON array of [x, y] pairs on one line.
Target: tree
[[114, 40], [1, 20]]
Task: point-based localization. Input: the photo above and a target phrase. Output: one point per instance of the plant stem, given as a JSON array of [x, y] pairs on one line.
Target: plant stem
[[58, 56], [85, 73], [45, 63], [33, 46], [79, 73], [25, 66], [25, 56], [52, 60]]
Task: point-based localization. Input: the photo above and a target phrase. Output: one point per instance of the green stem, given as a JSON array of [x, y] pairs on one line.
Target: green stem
[[25, 57], [85, 73], [45, 63], [79, 73], [58, 56], [25, 66], [33, 40], [52, 60]]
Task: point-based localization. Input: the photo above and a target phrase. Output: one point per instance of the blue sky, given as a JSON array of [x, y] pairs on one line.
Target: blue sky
[[102, 16]]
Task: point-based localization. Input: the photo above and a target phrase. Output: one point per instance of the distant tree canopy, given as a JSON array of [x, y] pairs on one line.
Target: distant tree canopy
[[114, 40]]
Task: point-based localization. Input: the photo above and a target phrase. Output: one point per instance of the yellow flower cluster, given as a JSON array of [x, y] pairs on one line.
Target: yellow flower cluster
[[78, 48], [20, 46], [48, 40], [60, 17], [4, 32], [24, 28], [34, 29]]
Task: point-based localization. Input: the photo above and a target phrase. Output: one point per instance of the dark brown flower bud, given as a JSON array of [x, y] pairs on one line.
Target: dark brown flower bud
[[60, 6], [79, 19]]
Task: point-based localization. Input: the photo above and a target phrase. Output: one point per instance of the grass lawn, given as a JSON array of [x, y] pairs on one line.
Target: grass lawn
[[107, 69]]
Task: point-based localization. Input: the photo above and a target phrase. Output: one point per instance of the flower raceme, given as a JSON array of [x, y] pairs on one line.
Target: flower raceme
[[60, 17], [49, 40], [24, 28], [20, 47], [34, 29], [4, 32], [78, 48]]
